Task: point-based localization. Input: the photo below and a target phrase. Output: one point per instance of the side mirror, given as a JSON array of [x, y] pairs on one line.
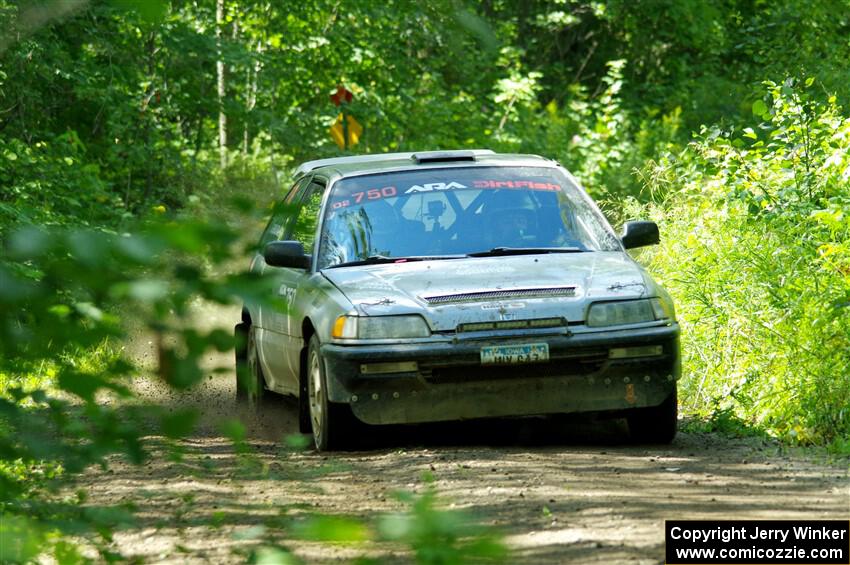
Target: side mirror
[[638, 234], [288, 254]]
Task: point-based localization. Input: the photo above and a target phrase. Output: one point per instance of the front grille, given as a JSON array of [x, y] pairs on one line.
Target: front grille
[[585, 364], [547, 292], [534, 324]]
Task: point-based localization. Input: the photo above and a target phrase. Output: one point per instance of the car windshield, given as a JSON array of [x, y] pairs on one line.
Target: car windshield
[[456, 212]]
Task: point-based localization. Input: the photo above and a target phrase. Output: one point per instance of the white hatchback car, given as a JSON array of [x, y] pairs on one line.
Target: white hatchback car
[[454, 285]]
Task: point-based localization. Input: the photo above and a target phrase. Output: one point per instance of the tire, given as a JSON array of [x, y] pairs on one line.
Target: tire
[[240, 350], [656, 424], [304, 425], [250, 382], [330, 422]]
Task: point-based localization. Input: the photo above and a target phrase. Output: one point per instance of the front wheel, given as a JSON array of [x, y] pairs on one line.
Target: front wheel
[[656, 424], [331, 422]]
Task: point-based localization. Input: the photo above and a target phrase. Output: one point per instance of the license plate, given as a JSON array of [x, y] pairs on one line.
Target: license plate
[[515, 354]]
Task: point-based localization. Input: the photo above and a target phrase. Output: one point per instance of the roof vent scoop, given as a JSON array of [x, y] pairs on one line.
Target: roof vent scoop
[[447, 156]]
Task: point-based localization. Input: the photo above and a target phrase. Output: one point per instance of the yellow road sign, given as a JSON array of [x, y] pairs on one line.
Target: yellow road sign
[[338, 131]]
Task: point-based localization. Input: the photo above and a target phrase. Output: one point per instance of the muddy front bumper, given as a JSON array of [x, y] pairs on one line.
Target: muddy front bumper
[[448, 381]]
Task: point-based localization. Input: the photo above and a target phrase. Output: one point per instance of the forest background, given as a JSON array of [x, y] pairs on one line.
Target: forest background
[[125, 125]]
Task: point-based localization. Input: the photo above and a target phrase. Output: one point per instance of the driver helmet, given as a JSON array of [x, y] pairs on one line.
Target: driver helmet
[[511, 215]]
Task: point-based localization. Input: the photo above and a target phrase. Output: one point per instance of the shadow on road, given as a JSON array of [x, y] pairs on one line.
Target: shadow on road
[[279, 419]]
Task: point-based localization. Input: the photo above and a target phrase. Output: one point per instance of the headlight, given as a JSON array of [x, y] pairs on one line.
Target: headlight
[[628, 312], [380, 327]]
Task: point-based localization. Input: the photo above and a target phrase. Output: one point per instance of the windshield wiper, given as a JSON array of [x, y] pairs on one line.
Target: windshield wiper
[[503, 251], [381, 259]]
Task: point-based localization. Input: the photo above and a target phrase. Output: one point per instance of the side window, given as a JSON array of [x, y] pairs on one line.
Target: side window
[[282, 214], [307, 218]]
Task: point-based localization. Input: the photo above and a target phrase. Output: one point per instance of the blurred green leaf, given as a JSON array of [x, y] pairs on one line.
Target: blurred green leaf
[[234, 430], [67, 553], [81, 384], [297, 442], [267, 555], [339, 529], [20, 539], [251, 533], [152, 11], [180, 423]]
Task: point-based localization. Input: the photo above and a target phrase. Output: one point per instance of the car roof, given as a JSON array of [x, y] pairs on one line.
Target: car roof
[[362, 164]]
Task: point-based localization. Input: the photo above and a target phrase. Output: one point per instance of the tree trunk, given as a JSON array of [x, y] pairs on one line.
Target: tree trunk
[[251, 96], [219, 67], [148, 117]]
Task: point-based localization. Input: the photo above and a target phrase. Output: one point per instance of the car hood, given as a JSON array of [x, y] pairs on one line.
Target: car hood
[[431, 288]]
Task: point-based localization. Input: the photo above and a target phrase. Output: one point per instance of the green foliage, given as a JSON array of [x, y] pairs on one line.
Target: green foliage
[[436, 535], [337, 529], [62, 297], [756, 253], [20, 539], [440, 536], [603, 143], [109, 109]]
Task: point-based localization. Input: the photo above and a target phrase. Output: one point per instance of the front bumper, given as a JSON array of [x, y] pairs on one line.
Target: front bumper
[[451, 383]]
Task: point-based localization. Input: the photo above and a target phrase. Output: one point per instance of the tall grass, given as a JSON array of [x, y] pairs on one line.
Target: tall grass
[[756, 251]]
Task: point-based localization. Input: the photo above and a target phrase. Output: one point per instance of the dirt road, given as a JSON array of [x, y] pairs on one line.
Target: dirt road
[[571, 494]]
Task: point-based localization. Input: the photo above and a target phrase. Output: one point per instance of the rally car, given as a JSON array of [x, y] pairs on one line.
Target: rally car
[[450, 285]]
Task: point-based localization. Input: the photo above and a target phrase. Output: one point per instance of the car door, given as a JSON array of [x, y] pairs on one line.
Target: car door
[[269, 338], [281, 340]]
